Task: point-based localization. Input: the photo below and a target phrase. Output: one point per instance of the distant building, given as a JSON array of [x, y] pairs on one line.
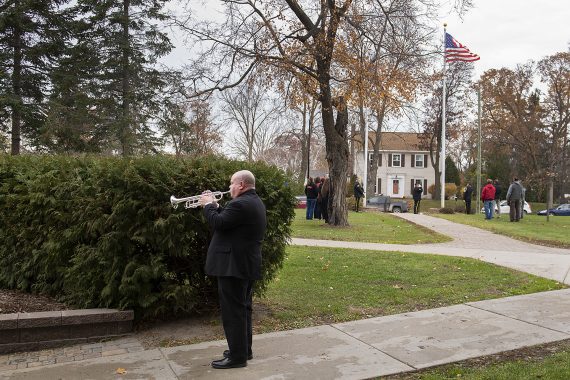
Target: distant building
[[402, 163]]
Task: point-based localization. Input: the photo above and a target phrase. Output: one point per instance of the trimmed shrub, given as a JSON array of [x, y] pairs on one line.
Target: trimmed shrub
[[450, 190], [446, 210], [460, 208], [100, 232]]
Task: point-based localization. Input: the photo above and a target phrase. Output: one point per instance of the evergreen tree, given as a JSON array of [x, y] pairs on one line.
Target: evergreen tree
[[451, 172], [118, 44], [32, 36]]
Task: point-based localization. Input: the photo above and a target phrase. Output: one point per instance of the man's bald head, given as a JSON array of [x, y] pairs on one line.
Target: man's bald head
[[247, 177], [241, 182]]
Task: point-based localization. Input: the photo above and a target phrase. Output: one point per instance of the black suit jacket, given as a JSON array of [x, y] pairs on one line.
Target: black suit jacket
[[239, 228]]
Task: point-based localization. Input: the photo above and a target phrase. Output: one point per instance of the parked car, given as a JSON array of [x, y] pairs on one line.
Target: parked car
[[505, 208], [562, 210], [301, 201], [385, 203]]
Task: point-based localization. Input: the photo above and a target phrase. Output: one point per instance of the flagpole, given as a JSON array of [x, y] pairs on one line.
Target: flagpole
[[365, 164], [442, 156], [479, 149]]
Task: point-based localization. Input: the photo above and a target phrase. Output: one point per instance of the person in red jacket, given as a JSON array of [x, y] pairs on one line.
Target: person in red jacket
[[487, 196]]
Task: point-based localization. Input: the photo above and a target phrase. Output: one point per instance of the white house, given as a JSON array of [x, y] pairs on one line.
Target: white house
[[402, 163]]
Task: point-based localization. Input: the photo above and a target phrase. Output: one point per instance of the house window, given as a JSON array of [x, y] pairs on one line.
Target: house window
[[419, 158], [371, 156], [396, 160]]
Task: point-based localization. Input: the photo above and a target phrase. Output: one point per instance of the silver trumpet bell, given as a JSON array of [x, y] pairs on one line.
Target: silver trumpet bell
[[193, 202]]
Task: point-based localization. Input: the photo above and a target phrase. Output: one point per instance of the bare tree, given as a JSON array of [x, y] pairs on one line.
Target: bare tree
[[190, 129], [254, 114], [305, 133], [391, 50]]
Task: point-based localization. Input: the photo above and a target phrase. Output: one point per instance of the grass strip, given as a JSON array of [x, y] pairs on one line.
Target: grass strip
[[369, 227], [531, 228], [329, 285], [549, 361]]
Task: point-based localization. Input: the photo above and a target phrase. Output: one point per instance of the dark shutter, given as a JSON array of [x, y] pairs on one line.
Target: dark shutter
[[379, 188], [413, 160], [425, 162], [390, 160], [379, 159], [425, 186], [412, 186], [403, 157]]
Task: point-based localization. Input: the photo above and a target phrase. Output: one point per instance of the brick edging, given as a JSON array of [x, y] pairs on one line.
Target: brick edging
[[30, 331]]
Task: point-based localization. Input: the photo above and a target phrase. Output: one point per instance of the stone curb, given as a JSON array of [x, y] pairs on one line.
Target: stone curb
[[32, 331]]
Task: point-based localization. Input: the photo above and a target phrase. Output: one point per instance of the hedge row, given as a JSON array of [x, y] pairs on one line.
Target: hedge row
[[100, 232]]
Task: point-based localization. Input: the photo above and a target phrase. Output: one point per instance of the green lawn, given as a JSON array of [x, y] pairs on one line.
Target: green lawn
[[370, 227], [325, 285], [531, 228], [555, 366]]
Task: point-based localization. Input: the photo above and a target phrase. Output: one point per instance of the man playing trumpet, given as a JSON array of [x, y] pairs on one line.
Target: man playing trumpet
[[234, 257]]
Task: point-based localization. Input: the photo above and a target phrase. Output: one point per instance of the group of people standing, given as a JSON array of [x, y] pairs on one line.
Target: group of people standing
[[317, 192], [491, 197]]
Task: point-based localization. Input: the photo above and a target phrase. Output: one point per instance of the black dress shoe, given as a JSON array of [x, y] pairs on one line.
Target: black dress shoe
[[227, 363], [227, 355]]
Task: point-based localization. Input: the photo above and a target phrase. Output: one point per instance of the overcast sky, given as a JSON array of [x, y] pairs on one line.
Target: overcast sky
[[507, 32], [503, 32]]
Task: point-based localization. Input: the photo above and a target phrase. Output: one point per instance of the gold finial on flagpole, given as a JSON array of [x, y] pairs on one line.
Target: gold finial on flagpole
[[445, 25]]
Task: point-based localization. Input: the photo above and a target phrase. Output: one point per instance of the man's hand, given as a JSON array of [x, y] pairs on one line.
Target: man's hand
[[206, 198]]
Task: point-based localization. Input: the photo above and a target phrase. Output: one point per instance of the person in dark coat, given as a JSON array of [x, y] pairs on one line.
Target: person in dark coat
[[234, 257], [358, 194], [497, 201], [311, 193], [417, 195], [318, 206], [467, 196], [515, 195]]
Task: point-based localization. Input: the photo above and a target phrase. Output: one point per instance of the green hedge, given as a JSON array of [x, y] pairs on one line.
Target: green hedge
[[100, 232]]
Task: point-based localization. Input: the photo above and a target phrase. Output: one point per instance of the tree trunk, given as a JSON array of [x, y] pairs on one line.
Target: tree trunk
[[126, 133], [303, 172], [337, 158], [434, 153], [362, 126], [549, 194], [17, 86], [373, 165]]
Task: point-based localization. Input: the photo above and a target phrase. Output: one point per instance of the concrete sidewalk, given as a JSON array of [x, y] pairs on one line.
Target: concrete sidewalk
[[371, 347]]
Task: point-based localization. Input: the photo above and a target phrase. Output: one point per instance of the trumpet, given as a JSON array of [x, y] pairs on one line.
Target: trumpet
[[193, 202]]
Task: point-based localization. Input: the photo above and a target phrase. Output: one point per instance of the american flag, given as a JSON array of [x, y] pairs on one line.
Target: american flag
[[455, 51]]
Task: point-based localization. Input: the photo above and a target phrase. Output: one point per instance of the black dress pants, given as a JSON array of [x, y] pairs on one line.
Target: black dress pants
[[468, 207], [417, 206], [236, 304]]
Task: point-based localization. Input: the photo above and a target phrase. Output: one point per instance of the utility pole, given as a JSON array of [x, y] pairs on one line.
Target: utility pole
[[479, 149]]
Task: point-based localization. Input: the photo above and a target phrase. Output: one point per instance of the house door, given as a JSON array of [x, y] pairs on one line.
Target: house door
[[396, 186]]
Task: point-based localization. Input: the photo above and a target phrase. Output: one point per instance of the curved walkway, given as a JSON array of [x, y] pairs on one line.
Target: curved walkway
[[548, 262], [359, 349]]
